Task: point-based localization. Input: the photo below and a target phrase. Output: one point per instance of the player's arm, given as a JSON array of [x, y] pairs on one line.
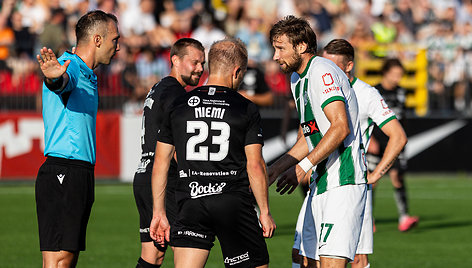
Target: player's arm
[[160, 228], [337, 132], [256, 169], [55, 76], [289, 159], [396, 141], [262, 99]]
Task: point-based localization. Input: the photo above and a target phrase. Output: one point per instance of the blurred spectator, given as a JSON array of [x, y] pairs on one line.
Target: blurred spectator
[[151, 67], [7, 36], [207, 33], [136, 22], [24, 38], [33, 15], [54, 35], [254, 86], [258, 47]]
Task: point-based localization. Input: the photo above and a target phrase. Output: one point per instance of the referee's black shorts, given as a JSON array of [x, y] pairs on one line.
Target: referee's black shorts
[[64, 198], [143, 197], [229, 216]]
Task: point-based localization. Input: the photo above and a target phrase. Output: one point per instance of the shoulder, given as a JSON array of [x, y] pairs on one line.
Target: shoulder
[[167, 87], [362, 88]]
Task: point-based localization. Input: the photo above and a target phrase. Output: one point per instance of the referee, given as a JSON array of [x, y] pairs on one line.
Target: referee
[[65, 181]]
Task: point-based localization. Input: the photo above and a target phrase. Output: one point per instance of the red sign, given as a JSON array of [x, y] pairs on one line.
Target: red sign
[[22, 145]]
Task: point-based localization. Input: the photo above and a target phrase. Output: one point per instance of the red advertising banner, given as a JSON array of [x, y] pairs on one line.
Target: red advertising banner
[[22, 145]]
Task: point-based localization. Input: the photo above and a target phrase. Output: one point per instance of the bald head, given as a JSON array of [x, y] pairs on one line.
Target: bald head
[[225, 55]]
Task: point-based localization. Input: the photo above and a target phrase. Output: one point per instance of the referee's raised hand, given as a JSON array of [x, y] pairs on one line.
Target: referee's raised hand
[[50, 67]]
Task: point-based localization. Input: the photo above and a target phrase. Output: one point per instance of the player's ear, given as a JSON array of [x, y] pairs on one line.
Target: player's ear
[[349, 66], [175, 60], [97, 40], [237, 72], [301, 47]]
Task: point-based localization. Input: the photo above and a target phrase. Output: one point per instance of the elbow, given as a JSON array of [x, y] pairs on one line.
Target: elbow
[[254, 167], [404, 139], [345, 132]]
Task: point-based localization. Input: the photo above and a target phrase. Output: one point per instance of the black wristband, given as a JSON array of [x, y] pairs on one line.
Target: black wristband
[[55, 84]]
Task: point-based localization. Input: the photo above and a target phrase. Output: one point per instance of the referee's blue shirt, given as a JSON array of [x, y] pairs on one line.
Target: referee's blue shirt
[[70, 115]]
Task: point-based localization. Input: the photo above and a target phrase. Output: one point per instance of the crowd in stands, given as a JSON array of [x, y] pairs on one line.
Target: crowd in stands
[[149, 27]]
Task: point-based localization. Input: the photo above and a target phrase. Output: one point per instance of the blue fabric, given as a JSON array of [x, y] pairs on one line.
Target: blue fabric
[[70, 115]]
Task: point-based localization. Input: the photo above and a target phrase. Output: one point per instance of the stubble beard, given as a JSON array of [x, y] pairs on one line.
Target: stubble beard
[[294, 66], [189, 81]]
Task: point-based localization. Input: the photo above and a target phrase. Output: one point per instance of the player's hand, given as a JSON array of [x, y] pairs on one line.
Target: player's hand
[[290, 179], [268, 225], [50, 67], [371, 179], [159, 230], [272, 173]]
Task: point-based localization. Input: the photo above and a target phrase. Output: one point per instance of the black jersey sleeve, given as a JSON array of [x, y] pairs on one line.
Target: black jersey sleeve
[[165, 132], [254, 130]]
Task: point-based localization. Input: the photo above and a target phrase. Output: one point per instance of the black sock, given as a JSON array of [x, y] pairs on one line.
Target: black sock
[[401, 201], [144, 264]]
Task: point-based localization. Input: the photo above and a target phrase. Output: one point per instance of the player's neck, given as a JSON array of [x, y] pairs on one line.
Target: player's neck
[[387, 85], [87, 55], [174, 74], [219, 80], [306, 57]]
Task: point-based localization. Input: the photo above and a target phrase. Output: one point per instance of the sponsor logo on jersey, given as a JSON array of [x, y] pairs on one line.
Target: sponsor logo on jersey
[[327, 79], [329, 89], [215, 102], [193, 101], [197, 190], [143, 165], [309, 128], [384, 105], [237, 259], [182, 174], [148, 103]]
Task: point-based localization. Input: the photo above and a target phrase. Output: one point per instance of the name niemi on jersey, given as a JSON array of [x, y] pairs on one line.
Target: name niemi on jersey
[[212, 112]]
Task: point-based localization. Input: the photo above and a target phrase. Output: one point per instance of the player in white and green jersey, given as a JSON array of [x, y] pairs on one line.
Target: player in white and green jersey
[[372, 110], [328, 114]]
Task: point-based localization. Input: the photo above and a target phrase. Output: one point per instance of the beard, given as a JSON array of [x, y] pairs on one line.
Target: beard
[[191, 81], [294, 65]]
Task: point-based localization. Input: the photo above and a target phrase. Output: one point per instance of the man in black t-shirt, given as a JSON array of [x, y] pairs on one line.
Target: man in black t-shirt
[[395, 97], [216, 135], [187, 59]]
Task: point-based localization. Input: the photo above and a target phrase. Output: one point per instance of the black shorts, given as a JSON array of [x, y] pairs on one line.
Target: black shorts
[[143, 198], [64, 198], [229, 216]]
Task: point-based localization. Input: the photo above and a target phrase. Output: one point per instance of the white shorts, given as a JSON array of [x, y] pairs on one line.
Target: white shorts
[[305, 231], [339, 214], [366, 241]]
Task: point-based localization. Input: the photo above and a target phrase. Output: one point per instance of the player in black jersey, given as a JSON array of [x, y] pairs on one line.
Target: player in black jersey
[[395, 97], [216, 135], [187, 59]]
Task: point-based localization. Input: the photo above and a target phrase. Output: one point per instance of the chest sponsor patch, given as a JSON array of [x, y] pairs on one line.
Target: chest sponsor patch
[[310, 128]]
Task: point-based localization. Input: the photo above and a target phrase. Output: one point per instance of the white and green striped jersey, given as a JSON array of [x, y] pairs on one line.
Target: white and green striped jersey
[[372, 109], [321, 83]]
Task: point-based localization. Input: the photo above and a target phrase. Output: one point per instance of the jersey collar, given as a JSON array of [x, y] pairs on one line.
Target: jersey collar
[[307, 67], [353, 81]]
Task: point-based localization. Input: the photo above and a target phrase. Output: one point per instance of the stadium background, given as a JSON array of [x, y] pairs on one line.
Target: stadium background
[[433, 38]]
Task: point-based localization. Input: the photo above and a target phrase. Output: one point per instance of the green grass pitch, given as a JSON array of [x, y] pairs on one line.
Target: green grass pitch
[[443, 237]]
